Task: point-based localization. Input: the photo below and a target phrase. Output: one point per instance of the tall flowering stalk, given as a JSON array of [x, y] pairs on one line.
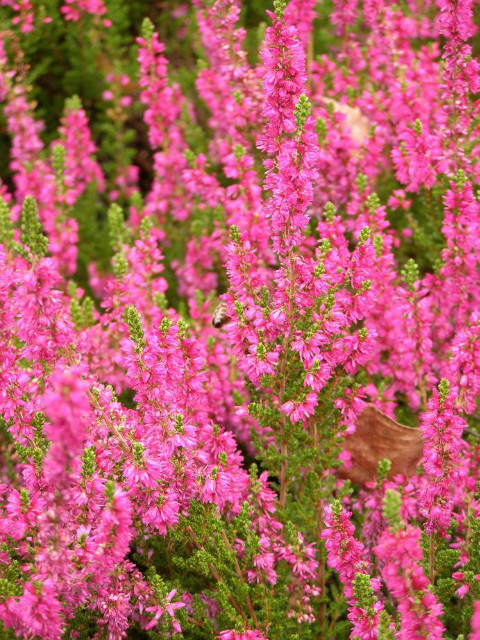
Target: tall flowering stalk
[[419, 610], [163, 108], [347, 556], [442, 430]]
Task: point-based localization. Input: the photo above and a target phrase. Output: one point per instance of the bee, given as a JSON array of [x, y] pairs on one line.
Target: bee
[[220, 316]]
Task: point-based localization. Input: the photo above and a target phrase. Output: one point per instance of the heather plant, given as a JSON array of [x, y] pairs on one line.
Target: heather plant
[[307, 173]]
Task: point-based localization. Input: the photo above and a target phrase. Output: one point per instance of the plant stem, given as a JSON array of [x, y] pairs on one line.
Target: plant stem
[[240, 576], [431, 556]]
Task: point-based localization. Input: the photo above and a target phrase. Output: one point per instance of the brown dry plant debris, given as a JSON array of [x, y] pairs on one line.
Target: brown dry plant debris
[[377, 437]]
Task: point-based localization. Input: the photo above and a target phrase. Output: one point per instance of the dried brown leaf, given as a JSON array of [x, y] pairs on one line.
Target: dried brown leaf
[[357, 123], [377, 437]]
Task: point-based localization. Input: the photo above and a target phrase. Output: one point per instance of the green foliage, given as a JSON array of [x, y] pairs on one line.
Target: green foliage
[[384, 630], [424, 219], [363, 592], [83, 626], [11, 575], [200, 556], [93, 245], [109, 492]]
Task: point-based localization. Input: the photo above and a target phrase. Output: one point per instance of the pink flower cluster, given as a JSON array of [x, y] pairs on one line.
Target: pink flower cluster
[[319, 183]]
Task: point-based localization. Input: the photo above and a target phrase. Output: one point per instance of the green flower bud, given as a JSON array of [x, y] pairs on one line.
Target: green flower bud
[[373, 202], [383, 469], [147, 29], [411, 274], [364, 235], [6, 227], [116, 227], [362, 182], [234, 234], [443, 389], [109, 492], [134, 323], [31, 230], [302, 111], [392, 504], [329, 211], [279, 7], [58, 161], [88, 462], [165, 325]]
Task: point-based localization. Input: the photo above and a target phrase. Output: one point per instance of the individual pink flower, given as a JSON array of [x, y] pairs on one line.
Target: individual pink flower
[[169, 607]]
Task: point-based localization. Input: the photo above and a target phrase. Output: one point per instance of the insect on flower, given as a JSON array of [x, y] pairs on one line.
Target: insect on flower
[[220, 316]]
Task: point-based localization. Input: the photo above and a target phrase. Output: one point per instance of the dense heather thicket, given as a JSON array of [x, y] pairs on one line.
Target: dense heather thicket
[[315, 169]]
